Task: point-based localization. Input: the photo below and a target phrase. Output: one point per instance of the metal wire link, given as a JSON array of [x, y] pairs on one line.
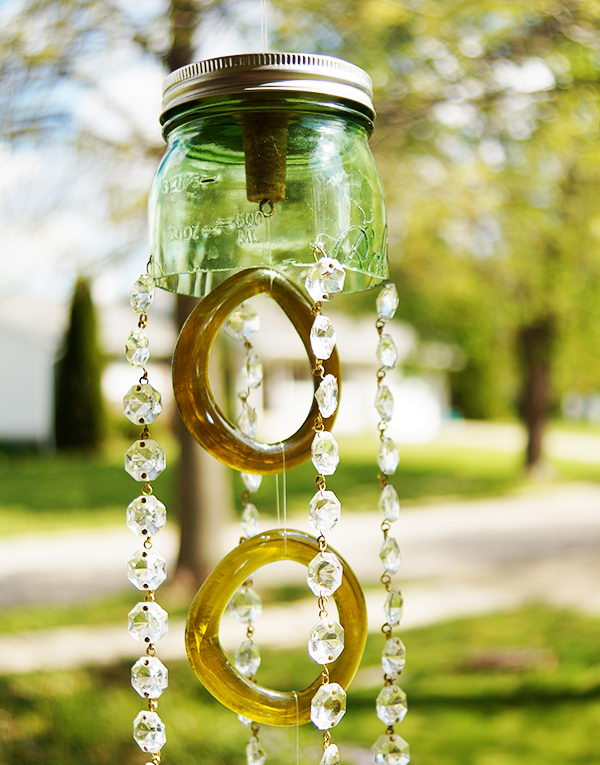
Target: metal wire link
[[320, 482], [322, 604], [386, 581]]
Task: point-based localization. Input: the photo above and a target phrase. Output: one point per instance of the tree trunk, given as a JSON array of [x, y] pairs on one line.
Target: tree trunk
[[203, 490], [204, 498], [536, 347]]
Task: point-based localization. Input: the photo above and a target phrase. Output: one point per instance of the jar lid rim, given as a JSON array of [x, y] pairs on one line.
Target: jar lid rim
[[268, 73]]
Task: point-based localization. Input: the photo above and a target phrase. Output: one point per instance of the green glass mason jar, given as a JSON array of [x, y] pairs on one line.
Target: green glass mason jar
[[268, 164]]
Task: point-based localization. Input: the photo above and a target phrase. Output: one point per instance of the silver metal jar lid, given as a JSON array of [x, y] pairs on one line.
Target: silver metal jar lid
[[269, 73]]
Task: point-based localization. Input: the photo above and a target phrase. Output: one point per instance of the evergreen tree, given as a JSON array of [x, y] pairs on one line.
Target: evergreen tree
[[78, 409]]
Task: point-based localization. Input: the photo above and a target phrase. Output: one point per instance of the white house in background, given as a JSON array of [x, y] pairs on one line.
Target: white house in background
[[28, 348], [26, 384], [420, 401]]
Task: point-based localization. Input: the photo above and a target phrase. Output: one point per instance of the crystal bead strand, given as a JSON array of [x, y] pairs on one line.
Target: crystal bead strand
[[389, 749], [146, 515], [326, 641], [241, 325]]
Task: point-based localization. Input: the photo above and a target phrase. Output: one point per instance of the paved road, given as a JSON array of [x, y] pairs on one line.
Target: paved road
[[458, 558]]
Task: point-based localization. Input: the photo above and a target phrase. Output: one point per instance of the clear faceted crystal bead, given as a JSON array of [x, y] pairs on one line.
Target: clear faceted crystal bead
[[145, 460], [387, 353], [246, 605], [137, 348], [390, 750], [325, 453], [328, 706], [324, 511], [324, 279], [322, 337], [393, 657], [388, 457], [142, 293], [324, 574], [390, 555], [146, 515], [149, 677], [148, 622], [250, 522], [389, 503], [247, 420], [331, 755], [327, 396], [247, 658], [255, 754], [252, 371], [242, 323], [391, 705], [384, 402], [251, 481], [387, 301], [149, 732], [142, 404], [394, 606], [326, 641], [147, 570]]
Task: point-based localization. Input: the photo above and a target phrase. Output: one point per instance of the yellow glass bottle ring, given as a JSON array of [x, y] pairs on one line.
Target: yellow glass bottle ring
[[219, 676], [197, 406]]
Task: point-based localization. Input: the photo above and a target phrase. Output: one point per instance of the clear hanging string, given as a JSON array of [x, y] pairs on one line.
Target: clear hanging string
[[246, 605]]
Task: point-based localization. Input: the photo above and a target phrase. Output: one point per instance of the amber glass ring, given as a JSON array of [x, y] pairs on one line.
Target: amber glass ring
[[219, 676], [196, 403]]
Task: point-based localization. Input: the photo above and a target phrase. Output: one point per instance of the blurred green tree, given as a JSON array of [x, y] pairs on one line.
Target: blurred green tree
[[78, 407], [487, 140]]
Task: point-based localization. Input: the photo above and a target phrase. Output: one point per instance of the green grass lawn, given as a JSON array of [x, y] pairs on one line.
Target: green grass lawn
[[463, 709], [41, 493]]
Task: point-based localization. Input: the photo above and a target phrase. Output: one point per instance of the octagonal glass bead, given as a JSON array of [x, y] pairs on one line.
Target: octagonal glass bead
[[324, 574], [393, 657], [149, 732], [322, 337], [325, 279], [246, 605], [148, 622], [391, 705], [387, 301], [389, 503], [146, 515], [326, 641], [145, 460], [142, 404], [142, 293], [328, 706], [327, 396], [247, 658], [324, 511], [149, 677], [137, 348], [146, 570], [325, 453], [242, 323], [390, 750]]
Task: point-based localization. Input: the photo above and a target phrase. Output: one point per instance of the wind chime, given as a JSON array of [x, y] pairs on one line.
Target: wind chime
[[268, 186]]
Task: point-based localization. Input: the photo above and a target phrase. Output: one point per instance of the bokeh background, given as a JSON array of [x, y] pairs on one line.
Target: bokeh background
[[487, 141]]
